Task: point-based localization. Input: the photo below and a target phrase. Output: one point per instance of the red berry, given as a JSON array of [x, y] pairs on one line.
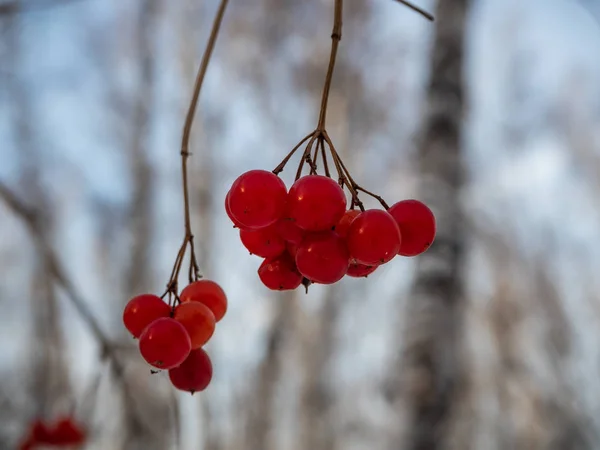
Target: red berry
[[165, 343], [280, 273], [323, 257], [194, 374], [316, 203], [373, 237], [417, 225], [289, 231], [292, 249], [40, 432], [67, 433], [208, 293], [198, 320], [142, 310], [257, 199], [266, 242], [342, 226], [236, 222], [358, 270]]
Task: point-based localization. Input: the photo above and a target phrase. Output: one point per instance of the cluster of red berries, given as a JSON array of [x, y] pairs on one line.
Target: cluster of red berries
[[64, 433], [171, 337], [309, 234]]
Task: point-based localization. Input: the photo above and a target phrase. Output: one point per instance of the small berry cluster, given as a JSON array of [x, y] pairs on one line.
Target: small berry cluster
[[171, 337], [64, 433], [308, 235]]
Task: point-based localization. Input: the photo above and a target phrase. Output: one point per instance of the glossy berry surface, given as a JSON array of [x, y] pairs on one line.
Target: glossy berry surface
[[257, 199], [165, 343], [142, 310], [316, 203], [280, 273], [289, 231], [323, 257], [344, 223], [208, 293], [417, 225], [373, 237], [198, 320], [194, 374], [357, 270], [236, 222], [266, 242]]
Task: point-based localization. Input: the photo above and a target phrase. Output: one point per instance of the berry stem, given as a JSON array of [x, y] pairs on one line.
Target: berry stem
[[415, 8], [194, 272], [282, 164], [336, 37], [324, 156]]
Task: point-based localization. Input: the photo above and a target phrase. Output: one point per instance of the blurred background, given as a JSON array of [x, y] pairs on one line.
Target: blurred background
[[491, 115]]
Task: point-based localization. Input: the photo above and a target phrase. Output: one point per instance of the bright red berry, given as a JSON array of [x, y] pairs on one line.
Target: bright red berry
[[266, 242], [323, 257], [194, 374], [236, 222], [417, 225], [257, 199], [373, 237], [316, 203], [280, 273], [342, 226], [208, 293], [198, 320], [165, 343], [289, 231], [357, 270], [142, 310]]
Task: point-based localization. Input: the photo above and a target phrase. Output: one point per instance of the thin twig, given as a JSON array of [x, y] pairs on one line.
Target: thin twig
[[336, 37], [282, 164], [415, 8], [185, 153]]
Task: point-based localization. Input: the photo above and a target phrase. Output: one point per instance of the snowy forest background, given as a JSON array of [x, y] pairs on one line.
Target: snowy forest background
[[492, 114]]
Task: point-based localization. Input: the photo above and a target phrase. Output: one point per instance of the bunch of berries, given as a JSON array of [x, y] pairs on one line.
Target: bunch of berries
[[308, 234], [64, 433], [171, 337]]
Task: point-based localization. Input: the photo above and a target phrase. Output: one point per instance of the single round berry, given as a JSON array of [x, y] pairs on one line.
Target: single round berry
[[257, 199], [208, 293], [323, 257], [357, 270], [266, 242], [316, 203], [280, 273], [198, 320], [236, 222], [142, 310], [289, 231], [342, 226], [165, 343], [417, 225], [194, 374], [373, 237]]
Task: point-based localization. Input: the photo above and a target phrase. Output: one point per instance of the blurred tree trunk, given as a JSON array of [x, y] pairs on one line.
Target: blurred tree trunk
[[431, 364]]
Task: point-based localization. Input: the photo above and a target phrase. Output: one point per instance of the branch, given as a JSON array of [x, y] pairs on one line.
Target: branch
[[32, 220], [415, 8], [17, 6]]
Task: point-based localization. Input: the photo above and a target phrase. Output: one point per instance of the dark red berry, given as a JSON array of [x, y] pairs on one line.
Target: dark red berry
[[417, 225], [316, 203], [373, 237], [323, 257], [280, 273]]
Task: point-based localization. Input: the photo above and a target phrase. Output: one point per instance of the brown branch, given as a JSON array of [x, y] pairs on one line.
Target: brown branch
[[415, 8]]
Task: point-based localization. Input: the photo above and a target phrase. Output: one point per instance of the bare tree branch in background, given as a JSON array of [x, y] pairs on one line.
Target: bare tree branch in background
[[431, 365]]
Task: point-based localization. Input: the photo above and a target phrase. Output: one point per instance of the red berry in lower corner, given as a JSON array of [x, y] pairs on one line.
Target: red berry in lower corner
[[357, 270], [280, 273], [208, 293], [289, 231], [142, 310], [198, 320], [266, 242], [165, 343], [257, 199], [316, 203], [323, 257], [344, 224], [417, 225], [194, 374], [373, 237]]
